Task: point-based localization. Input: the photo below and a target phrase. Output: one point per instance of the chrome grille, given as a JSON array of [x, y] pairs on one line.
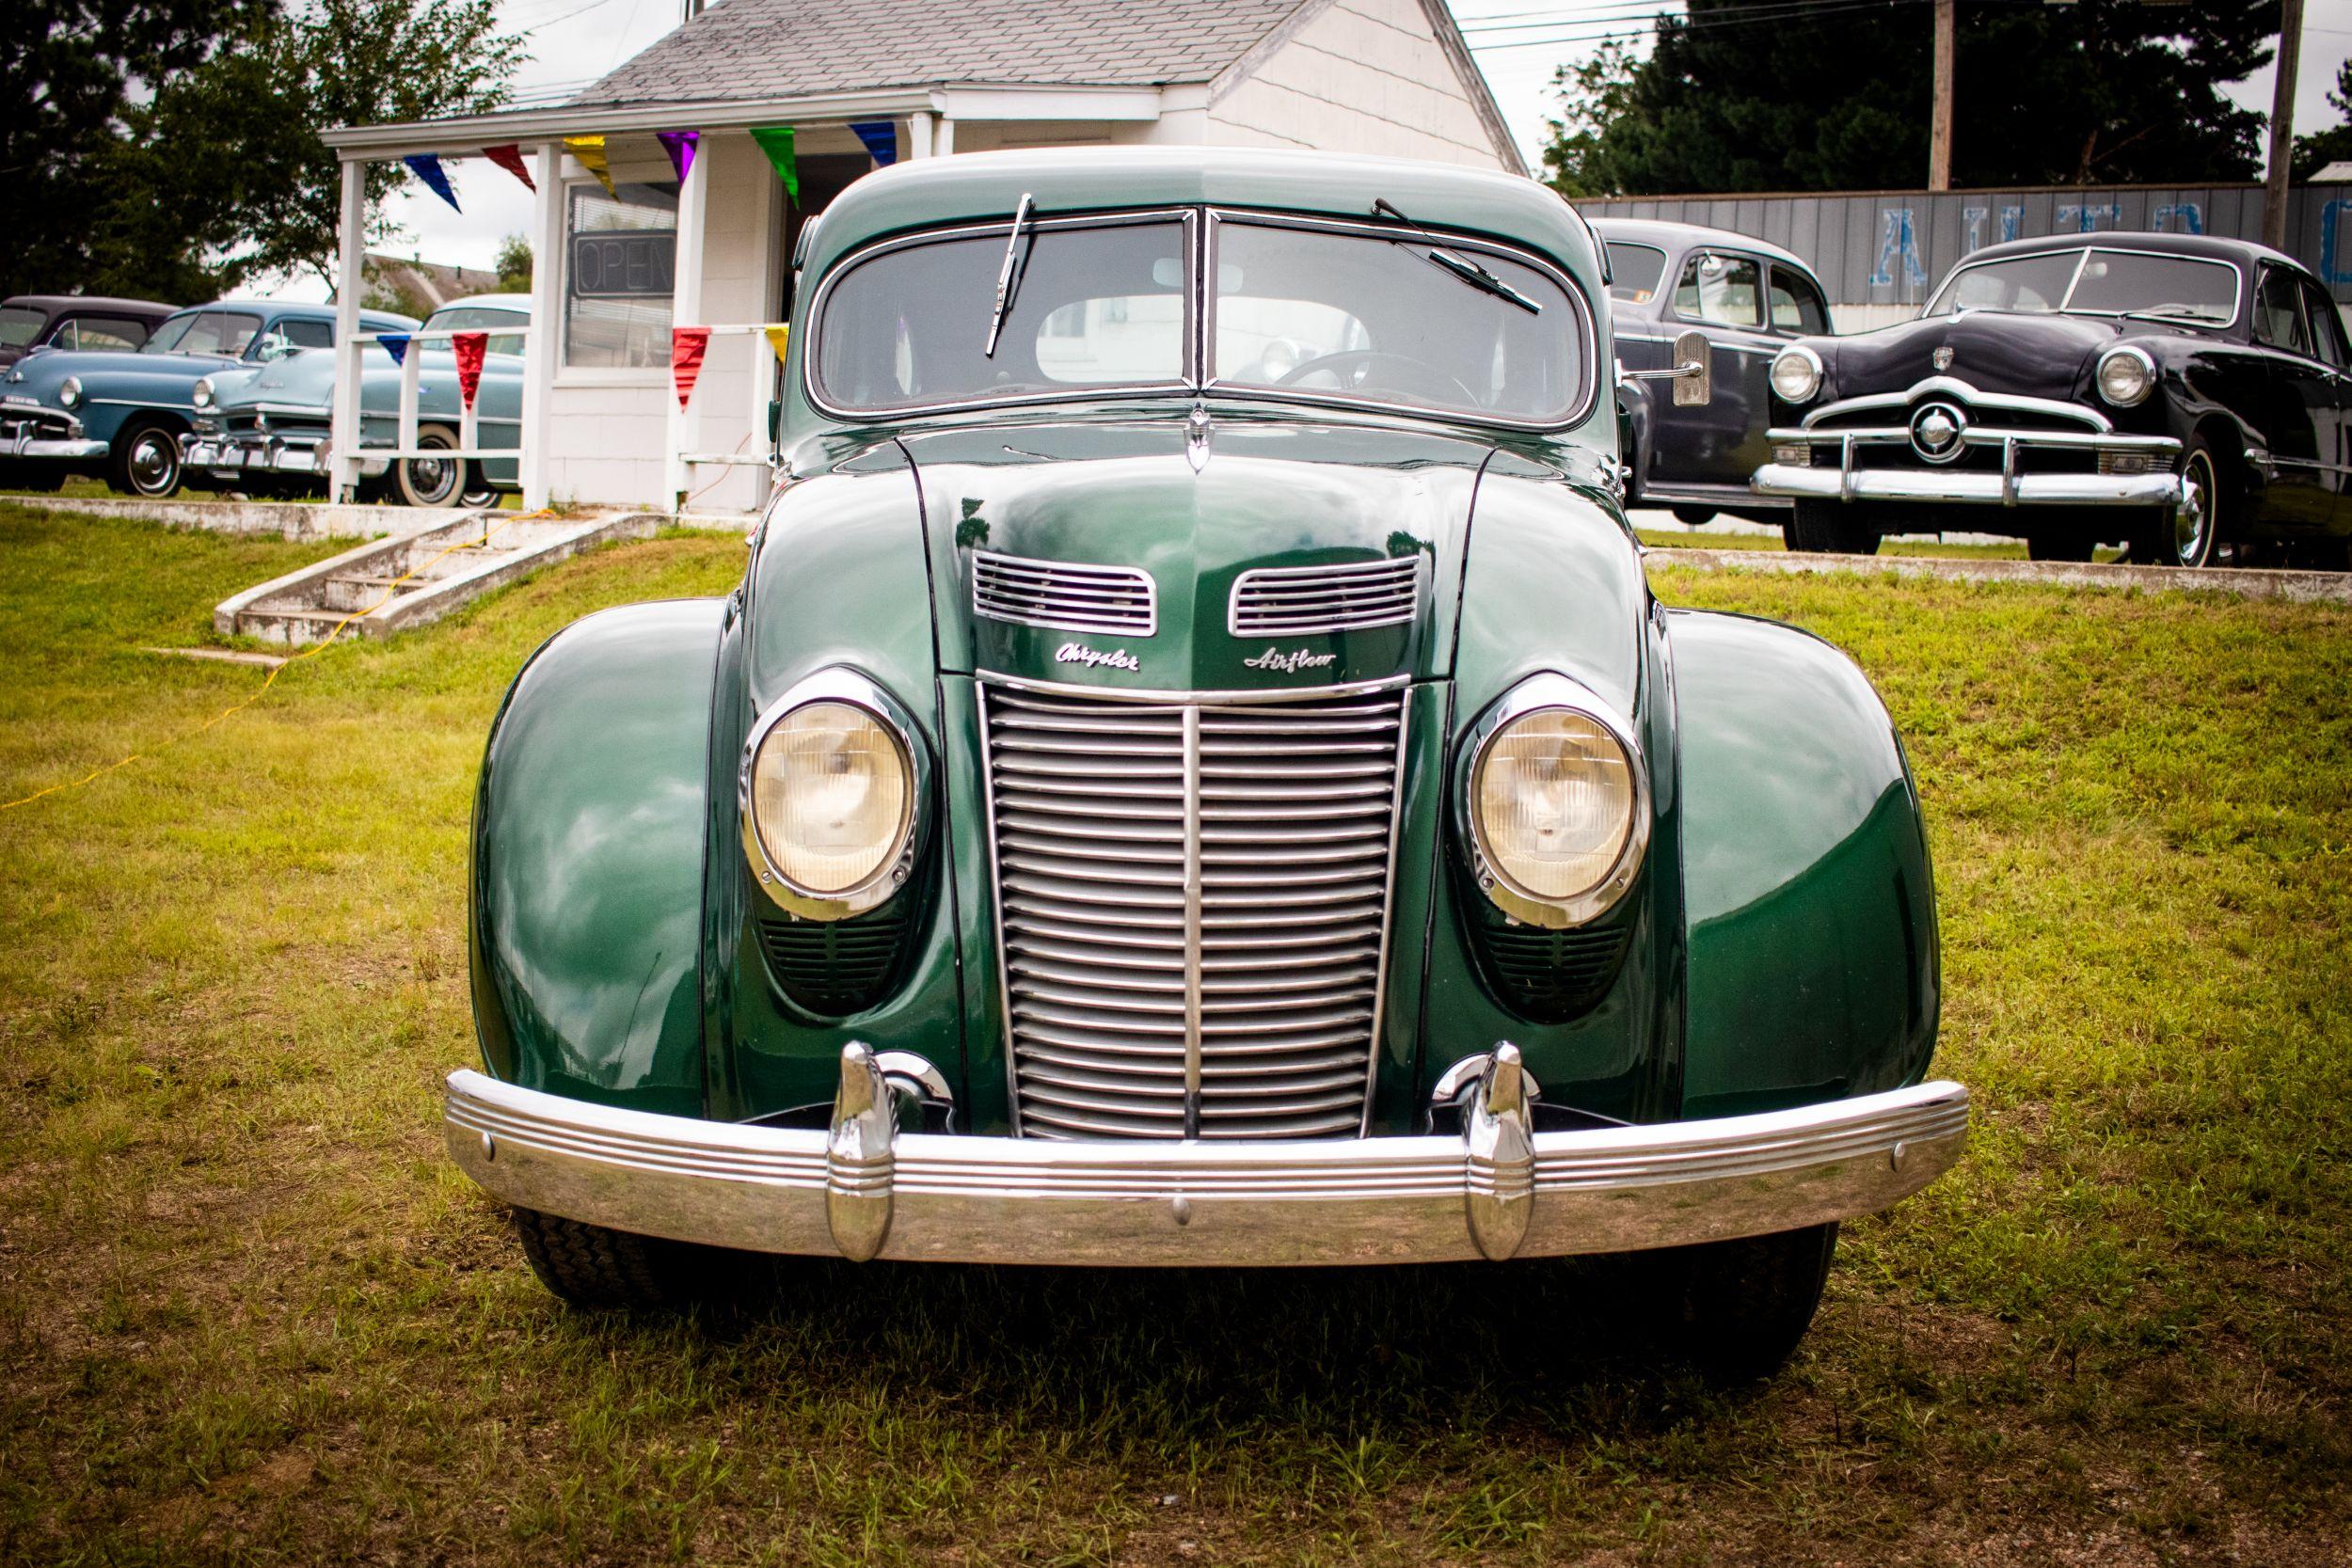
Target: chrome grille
[[1277, 601], [1118, 600], [1192, 900]]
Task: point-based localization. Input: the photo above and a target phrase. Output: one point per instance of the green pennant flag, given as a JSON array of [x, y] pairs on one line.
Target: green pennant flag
[[776, 141]]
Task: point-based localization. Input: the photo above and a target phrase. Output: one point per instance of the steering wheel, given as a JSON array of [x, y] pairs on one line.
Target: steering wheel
[[1420, 376]]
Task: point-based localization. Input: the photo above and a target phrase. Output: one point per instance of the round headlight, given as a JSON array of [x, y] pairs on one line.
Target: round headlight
[[69, 390], [1557, 804], [830, 800], [2126, 376], [202, 393], [1796, 374]]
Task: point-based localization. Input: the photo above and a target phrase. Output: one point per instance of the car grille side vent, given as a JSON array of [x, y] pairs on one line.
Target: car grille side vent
[[1354, 596], [1551, 976], [834, 968], [1117, 601]]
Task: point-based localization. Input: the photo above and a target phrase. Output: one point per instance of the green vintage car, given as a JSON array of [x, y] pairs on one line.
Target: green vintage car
[[1194, 774]]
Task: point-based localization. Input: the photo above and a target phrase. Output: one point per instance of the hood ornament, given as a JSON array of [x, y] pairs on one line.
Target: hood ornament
[[1197, 438], [1941, 358]]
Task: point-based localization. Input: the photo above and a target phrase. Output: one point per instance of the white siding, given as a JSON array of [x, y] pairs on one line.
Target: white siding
[[1364, 76]]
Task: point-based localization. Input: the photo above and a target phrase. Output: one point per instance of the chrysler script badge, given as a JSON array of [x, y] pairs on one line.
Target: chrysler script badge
[[1941, 358], [1078, 653], [1289, 663]]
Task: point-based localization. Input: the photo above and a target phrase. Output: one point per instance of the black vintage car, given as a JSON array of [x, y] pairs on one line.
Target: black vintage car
[[1748, 300], [28, 322], [2187, 397]]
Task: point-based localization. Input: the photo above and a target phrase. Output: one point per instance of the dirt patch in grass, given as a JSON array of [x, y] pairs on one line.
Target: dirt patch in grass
[[249, 1312]]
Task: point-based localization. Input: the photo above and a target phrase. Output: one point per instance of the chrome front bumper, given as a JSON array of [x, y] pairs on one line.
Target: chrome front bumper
[[865, 1190], [21, 442], [273, 454], [1852, 481]]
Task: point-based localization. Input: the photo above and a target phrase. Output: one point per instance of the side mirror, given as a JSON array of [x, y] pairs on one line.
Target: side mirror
[[1694, 371]]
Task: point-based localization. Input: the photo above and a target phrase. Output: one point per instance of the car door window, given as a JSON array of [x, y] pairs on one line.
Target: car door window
[[1726, 290], [2327, 327], [2278, 313], [1797, 305], [306, 333], [101, 332]]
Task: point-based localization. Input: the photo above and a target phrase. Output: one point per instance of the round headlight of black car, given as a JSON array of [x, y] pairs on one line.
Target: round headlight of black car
[[2126, 375], [829, 790], [1796, 374], [69, 392], [202, 393], [1558, 800]]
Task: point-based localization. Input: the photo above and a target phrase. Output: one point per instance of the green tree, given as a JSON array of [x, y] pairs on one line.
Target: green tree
[[514, 266], [1593, 95], [1827, 97], [2316, 151]]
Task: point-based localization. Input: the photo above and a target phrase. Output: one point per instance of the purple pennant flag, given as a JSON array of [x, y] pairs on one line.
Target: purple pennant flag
[[881, 137], [395, 344], [428, 169], [681, 146]]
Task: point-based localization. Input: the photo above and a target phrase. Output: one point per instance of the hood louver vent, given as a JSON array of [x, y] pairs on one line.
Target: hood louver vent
[[1115, 600], [1281, 601]]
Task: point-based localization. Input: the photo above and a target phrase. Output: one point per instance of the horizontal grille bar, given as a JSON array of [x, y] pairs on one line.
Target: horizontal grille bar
[[1118, 601], [1274, 601]]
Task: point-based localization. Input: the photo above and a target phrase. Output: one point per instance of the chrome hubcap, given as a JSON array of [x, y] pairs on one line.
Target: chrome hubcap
[[151, 464], [2193, 519]]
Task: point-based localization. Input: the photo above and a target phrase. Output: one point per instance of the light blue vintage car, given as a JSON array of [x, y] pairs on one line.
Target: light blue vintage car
[[120, 416], [269, 430]]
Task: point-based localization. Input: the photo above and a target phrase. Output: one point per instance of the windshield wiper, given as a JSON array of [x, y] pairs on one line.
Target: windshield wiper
[[1007, 281], [1458, 265], [2186, 314]]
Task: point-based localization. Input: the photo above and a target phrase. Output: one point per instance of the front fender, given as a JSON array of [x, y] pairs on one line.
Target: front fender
[[1812, 971], [588, 851]]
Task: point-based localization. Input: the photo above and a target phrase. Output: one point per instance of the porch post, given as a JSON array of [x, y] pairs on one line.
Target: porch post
[[349, 257], [919, 134], [686, 309], [541, 348], [943, 140]]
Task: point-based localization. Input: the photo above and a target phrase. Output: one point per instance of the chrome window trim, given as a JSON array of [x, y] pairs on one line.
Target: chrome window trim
[[2065, 306], [1952, 387], [1150, 596], [1588, 339], [838, 683], [1188, 378], [1539, 693]]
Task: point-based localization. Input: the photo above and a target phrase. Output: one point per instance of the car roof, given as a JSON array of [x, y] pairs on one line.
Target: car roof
[[299, 307], [493, 302], [987, 186], [99, 301], [1671, 236], [2217, 247]]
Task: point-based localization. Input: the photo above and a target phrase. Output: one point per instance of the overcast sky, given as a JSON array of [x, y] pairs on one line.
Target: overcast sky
[[1520, 44]]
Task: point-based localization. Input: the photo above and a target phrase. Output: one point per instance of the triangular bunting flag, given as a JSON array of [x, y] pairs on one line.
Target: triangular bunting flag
[[776, 141], [509, 156], [685, 358], [428, 169], [881, 137], [681, 146], [590, 151], [778, 337], [468, 347], [395, 344]]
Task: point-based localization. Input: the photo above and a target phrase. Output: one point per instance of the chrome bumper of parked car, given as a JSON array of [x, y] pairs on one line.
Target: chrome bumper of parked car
[[280, 455], [1850, 480], [24, 440], [866, 1189]]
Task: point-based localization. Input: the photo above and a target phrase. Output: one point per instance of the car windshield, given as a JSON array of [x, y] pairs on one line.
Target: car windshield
[[1395, 316], [19, 325], [477, 318], [221, 332], [1634, 271], [2096, 281]]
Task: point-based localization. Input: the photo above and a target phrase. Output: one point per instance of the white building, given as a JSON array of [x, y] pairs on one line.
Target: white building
[[614, 272]]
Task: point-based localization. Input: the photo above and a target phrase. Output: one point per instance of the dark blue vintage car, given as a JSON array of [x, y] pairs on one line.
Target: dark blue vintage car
[[120, 416]]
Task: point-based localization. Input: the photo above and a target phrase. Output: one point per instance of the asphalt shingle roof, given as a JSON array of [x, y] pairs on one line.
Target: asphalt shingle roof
[[785, 48]]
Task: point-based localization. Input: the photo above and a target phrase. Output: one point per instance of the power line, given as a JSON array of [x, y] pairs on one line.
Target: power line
[[1780, 11]]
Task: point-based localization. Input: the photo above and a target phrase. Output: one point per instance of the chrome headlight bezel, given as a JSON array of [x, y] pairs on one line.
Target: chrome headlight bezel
[[2132, 394], [69, 392], [896, 869], [1542, 693], [200, 395], [1802, 362]]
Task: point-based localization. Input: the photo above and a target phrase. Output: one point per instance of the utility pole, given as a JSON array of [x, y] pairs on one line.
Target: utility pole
[[2282, 125], [1940, 127]]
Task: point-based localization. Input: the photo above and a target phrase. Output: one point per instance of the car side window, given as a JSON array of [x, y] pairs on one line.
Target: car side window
[[1726, 290], [306, 334], [2279, 313], [2326, 325], [1797, 305], [100, 332]]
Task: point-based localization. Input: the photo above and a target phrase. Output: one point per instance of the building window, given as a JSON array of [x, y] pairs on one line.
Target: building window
[[622, 275]]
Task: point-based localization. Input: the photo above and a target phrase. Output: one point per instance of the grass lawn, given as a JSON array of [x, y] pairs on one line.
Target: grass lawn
[[249, 1313]]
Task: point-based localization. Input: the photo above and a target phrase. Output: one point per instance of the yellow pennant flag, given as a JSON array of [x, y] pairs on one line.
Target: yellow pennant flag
[[776, 338], [590, 151]]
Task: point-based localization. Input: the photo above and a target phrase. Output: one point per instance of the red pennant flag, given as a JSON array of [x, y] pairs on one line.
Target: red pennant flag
[[685, 358], [509, 156], [468, 347]]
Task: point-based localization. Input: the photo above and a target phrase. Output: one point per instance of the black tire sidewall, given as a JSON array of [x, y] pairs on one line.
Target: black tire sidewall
[[409, 494]]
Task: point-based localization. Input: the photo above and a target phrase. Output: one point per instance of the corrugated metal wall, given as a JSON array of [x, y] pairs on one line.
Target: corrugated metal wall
[[1880, 252]]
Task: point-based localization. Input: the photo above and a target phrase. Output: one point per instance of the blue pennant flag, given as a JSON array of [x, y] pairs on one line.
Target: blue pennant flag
[[428, 169], [395, 344], [881, 137]]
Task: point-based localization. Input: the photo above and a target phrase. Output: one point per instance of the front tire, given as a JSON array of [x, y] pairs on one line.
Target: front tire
[[2196, 533], [431, 480], [145, 461], [2060, 547], [591, 1266], [1736, 1310], [1830, 528], [1695, 517]]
